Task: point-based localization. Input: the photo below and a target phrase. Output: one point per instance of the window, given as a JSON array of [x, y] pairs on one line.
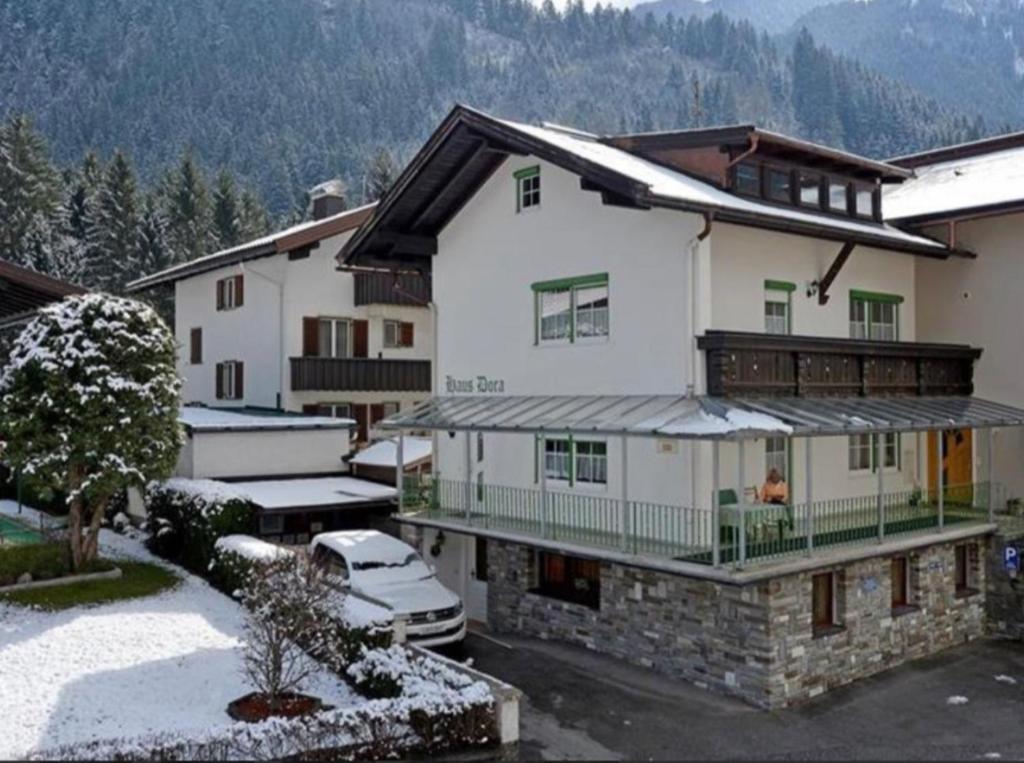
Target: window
[[569, 578], [777, 304], [229, 380], [810, 189], [398, 334], [591, 462], [863, 456], [480, 568], [271, 524], [864, 201], [966, 557], [572, 308], [527, 189], [823, 604], [838, 197], [334, 338], [334, 410], [558, 460], [776, 456], [780, 185], [196, 346], [230, 293], [900, 583], [874, 316], [747, 179]]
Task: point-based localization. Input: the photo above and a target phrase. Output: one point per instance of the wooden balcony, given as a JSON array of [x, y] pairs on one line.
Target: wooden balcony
[[360, 375], [387, 289], [742, 364]]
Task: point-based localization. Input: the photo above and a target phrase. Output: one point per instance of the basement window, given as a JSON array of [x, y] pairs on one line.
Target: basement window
[[569, 579], [965, 565]]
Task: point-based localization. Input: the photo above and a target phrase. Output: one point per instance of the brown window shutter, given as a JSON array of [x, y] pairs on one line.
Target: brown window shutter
[[311, 410], [362, 430], [407, 331], [376, 413], [360, 339], [239, 381], [220, 295], [239, 291], [310, 337], [196, 347], [219, 375]]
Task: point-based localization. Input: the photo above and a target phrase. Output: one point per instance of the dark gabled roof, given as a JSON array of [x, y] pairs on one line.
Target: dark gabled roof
[[297, 237], [750, 136], [469, 146], [23, 291], [961, 151]]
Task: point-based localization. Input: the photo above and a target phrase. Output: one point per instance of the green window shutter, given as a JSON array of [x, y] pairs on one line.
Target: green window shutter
[[561, 284], [527, 172], [874, 296], [771, 285]]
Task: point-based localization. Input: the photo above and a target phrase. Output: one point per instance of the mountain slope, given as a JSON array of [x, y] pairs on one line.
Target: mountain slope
[[774, 16], [965, 53], [290, 93]]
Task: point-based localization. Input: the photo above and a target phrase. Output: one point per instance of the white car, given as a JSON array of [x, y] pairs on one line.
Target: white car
[[383, 568]]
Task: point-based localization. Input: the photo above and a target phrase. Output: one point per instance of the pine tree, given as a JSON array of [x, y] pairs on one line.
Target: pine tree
[[380, 176], [253, 218], [113, 256], [30, 186], [226, 211], [189, 216]]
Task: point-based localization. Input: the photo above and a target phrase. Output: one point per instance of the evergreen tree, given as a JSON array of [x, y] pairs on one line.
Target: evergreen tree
[[113, 257], [381, 175], [189, 216], [30, 187], [253, 218], [226, 211]]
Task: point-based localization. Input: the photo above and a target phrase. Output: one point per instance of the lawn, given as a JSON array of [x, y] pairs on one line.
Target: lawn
[[138, 579]]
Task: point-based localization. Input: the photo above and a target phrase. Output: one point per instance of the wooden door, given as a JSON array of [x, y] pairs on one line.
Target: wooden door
[[957, 464]]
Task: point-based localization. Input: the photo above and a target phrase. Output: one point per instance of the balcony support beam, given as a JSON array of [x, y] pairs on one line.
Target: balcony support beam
[[400, 471], [990, 438], [543, 474], [716, 508], [833, 272], [741, 478], [808, 458], [880, 468], [469, 476], [624, 519]]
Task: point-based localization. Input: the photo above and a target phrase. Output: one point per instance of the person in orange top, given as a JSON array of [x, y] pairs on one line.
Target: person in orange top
[[774, 489]]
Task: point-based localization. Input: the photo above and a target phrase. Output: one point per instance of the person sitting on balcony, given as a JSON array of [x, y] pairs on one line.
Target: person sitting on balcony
[[774, 489]]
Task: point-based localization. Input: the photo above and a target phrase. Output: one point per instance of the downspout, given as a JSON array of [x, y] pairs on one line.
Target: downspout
[[755, 139], [693, 247]]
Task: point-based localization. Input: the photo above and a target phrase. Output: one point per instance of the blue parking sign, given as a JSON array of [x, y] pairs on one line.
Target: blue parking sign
[[1011, 558]]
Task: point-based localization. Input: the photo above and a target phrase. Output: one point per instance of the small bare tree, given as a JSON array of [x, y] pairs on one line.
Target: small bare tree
[[288, 602]]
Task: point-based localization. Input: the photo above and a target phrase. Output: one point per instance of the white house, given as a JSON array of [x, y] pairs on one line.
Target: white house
[[273, 324], [632, 332]]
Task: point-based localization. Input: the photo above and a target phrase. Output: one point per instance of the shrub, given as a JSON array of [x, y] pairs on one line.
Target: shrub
[[42, 562], [186, 517]]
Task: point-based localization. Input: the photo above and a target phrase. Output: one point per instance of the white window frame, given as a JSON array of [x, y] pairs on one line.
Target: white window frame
[[569, 460], [572, 287], [395, 341], [333, 410], [556, 474], [334, 324], [597, 462], [528, 189], [889, 439], [865, 325], [228, 370]]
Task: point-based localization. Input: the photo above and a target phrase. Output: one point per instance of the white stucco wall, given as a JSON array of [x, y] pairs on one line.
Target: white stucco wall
[[975, 302], [252, 333], [261, 454]]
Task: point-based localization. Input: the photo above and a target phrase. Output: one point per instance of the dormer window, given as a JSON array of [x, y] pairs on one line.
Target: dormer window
[[780, 185], [864, 201], [810, 189], [838, 197], [747, 179]]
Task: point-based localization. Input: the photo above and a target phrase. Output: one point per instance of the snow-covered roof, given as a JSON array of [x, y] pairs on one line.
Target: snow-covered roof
[[250, 548], [385, 452], [323, 491], [273, 243], [673, 185], [365, 546], [959, 184], [198, 419]]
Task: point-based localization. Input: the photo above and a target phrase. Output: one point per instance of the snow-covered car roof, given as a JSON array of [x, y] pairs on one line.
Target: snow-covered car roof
[[365, 546], [199, 419], [385, 452]]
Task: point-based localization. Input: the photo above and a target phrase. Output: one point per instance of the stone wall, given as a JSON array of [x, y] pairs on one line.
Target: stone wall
[[1005, 595], [754, 641]]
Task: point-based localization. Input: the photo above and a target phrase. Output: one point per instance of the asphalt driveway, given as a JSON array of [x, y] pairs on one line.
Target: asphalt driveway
[[580, 705]]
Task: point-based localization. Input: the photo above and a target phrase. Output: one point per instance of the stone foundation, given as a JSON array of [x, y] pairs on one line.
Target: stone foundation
[[753, 641]]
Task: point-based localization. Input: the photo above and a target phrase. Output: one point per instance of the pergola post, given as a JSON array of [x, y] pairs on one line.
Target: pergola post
[[543, 474], [810, 496], [741, 477], [400, 471], [469, 476], [991, 469], [940, 436], [879, 467], [624, 519], [716, 509]]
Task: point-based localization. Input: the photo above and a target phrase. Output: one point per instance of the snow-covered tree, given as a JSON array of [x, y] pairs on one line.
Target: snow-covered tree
[[226, 212], [380, 175], [89, 405]]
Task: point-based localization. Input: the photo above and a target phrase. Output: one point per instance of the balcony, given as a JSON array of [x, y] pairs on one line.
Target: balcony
[[360, 375], [387, 289], [748, 535], [741, 364]]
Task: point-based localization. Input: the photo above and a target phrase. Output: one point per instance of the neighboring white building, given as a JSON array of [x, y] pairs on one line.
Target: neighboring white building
[[973, 195], [617, 316], [273, 324]]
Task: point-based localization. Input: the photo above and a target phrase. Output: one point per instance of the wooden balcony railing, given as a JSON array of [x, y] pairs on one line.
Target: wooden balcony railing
[[741, 364], [360, 375]]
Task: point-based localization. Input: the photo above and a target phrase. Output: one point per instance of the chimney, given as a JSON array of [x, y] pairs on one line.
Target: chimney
[[328, 199]]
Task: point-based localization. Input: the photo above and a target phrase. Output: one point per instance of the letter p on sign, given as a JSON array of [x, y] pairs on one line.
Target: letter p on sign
[[1011, 559]]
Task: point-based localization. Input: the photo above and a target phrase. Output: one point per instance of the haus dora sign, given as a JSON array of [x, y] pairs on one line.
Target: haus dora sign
[[477, 385]]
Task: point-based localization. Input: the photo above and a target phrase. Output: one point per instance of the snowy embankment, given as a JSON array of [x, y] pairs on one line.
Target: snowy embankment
[[167, 664]]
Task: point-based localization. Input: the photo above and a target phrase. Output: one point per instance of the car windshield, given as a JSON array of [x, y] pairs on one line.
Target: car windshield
[[409, 568], [389, 564]]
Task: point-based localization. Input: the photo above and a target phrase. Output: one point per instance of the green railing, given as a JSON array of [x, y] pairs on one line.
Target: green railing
[[757, 533]]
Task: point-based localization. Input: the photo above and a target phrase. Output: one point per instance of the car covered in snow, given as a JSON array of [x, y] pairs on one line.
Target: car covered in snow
[[385, 569]]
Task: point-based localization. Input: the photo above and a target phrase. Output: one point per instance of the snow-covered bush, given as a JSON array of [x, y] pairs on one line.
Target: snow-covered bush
[[89, 406], [186, 517], [235, 558]]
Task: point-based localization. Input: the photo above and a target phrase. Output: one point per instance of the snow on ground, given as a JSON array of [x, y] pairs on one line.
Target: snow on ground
[[168, 663]]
